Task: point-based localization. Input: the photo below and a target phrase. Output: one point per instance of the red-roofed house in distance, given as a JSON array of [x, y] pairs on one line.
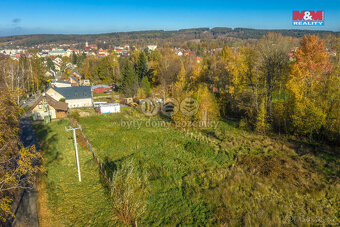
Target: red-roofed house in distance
[[100, 88], [90, 46], [103, 53]]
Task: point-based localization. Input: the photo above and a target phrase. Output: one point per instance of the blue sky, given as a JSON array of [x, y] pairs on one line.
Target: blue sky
[[19, 17]]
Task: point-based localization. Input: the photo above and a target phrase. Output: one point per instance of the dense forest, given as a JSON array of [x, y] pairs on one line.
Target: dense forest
[[260, 83], [159, 37]]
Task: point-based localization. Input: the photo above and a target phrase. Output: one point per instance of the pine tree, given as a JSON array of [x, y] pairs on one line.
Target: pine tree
[[74, 58], [146, 85], [129, 79], [142, 66]]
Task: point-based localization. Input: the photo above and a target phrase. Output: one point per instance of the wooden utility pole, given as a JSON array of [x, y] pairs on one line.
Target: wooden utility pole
[[75, 147]]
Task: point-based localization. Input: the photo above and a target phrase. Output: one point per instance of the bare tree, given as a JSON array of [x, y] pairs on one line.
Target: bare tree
[[273, 50]]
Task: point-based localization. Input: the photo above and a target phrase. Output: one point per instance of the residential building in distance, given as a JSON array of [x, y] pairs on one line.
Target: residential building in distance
[[75, 96], [54, 53], [103, 53], [61, 83], [152, 47], [46, 106], [73, 81], [100, 88], [85, 82], [76, 75], [90, 46]]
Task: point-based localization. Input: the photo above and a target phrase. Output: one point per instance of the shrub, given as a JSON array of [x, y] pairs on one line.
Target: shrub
[[75, 115], [243, 124], [128, 190]]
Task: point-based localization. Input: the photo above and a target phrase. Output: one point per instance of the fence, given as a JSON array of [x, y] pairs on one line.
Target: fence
[[101, 167]]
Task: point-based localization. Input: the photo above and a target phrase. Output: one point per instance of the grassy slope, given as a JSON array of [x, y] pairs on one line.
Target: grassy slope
[[62, 198], [252, 179], [162, 152]]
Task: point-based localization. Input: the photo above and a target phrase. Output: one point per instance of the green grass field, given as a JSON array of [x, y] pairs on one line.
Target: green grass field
[[249, 179], [69, 202], [241, 178]]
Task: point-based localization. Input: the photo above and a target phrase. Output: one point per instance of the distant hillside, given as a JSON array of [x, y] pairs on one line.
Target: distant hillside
[[155, 36]]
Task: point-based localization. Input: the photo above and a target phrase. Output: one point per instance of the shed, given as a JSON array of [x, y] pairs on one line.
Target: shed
[[108, 108]]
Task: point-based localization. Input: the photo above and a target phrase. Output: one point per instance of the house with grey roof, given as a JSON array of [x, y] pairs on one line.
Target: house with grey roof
[[76, 97]]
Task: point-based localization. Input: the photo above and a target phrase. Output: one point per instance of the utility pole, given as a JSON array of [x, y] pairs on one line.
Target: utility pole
[[75, 147]]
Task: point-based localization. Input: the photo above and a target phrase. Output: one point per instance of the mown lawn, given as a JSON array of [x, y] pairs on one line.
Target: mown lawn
[[62, 200], [249, 179]]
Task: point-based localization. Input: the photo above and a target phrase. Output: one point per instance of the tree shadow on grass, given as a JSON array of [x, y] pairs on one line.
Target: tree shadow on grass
[[47, 143], [321, 157], [109, 167]]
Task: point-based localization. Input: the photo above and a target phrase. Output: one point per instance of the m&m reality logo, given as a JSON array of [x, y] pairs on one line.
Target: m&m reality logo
[[308, 18]]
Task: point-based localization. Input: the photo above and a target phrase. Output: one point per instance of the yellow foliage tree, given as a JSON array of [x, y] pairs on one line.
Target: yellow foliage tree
[[261, 124], [208, 107], [18, 164], [306, 85]]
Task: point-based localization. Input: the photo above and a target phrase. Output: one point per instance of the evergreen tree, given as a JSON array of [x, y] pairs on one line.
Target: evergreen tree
[[129, 79], [74, 58], [142, 66], [146, 85], [49, 64]]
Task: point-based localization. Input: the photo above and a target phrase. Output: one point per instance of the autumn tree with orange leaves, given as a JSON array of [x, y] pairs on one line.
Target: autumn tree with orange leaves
[[307, 82]]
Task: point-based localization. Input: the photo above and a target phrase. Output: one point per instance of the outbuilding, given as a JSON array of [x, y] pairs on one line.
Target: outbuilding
[[108, 108]]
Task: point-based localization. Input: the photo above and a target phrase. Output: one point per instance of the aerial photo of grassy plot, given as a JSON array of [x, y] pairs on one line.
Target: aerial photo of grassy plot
[[169, 113], [208, 176]]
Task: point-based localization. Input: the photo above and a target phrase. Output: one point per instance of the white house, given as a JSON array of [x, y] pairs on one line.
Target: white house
[[57, 53], [61, 83], [152, 47], [75, 96]]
